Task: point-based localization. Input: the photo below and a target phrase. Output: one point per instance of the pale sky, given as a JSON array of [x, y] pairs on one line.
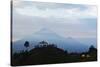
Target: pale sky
[[74, 20]]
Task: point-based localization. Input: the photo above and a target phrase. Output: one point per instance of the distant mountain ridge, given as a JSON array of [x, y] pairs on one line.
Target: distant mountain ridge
[[69, 43]]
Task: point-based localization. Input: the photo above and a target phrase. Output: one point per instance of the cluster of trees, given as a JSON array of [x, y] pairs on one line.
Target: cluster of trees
[[45, 53], [39, 45], [44, 44]]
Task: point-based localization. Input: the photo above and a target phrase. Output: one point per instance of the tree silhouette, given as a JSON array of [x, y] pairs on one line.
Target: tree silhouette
[[93, 52], [43, 44], [26, 44], [92, 49]]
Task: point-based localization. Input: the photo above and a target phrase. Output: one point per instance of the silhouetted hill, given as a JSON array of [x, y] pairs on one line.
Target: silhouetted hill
[[50, 54], [41, 55]]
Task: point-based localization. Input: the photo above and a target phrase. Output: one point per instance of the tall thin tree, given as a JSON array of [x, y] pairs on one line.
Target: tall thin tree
[[26, 44]]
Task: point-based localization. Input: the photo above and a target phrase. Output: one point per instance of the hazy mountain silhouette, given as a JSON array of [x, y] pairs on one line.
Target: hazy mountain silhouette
[[69, 43]]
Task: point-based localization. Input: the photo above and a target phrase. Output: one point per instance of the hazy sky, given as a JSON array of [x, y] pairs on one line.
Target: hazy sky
[[67, 20]]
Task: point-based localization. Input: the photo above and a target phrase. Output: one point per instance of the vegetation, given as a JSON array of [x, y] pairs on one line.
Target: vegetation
[[26, 44], [45, 53]]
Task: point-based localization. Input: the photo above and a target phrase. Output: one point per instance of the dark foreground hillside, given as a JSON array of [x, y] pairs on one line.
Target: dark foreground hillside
[[50, 54]]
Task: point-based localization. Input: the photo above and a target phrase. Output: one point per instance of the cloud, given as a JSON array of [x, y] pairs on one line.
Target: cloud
[[58, 13], [55, 10], [64, 19]]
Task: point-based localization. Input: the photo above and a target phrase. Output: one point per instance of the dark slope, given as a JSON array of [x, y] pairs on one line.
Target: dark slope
[[42, 55], [50, 54]]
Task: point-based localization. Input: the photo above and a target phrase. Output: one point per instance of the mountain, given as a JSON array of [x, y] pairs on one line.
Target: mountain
[[88, 41], [68, 43]]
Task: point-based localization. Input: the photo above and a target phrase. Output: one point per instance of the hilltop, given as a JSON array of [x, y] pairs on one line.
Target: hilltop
[[45, 53]]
